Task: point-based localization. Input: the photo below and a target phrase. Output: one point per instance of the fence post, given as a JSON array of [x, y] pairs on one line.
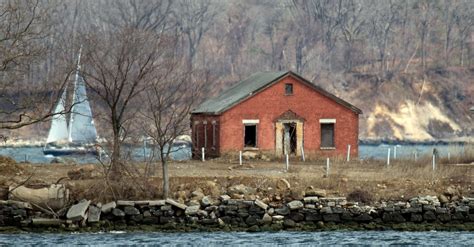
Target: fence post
[[302, 154], [287, 162], [449, 156], [416, 156], [327, 167], [240, 157], [348, 153], [434, 162], [388, 157], [395, 152], [203, 155]]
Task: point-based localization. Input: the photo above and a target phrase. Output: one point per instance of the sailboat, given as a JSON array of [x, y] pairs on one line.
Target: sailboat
[[80, 136]]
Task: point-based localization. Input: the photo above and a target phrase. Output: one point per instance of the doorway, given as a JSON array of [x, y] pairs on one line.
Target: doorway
[[250, 136], [289, 138]]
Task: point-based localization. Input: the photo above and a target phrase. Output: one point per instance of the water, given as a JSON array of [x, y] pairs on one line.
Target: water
[[409, 151], [35, 154], [243, 238]]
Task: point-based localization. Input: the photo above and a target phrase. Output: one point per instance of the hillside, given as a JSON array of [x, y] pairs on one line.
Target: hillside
[[401, 108], [406, 107]]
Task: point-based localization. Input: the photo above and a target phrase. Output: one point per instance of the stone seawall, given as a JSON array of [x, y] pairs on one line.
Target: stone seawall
[[311, 213]]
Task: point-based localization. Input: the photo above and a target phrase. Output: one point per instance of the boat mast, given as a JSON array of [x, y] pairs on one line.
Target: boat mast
[[71, 117]]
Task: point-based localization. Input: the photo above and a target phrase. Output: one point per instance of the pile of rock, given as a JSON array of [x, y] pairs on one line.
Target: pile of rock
[[225, 211]]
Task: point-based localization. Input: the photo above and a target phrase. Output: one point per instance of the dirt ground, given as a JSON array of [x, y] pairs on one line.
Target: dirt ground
[[400, 180]]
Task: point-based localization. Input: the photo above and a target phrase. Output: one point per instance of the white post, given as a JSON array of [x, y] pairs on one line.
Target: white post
[[287, 162], [388, 157], [395, 152], [449, 156], [434, 162], [416, 156], [302, 154], [327, 167], [348, 153], [203, 155], [240, 157]]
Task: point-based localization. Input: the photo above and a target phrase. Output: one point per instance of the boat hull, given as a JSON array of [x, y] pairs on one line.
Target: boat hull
[[69, 151]]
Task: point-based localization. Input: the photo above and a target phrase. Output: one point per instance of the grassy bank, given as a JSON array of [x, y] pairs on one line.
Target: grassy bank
[[400, 180]]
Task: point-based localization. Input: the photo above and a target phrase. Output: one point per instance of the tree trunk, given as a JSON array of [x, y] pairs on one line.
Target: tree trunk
[[166, 184], [115, 170]]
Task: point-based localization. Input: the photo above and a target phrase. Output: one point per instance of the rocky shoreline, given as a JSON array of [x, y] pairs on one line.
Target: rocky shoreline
[[312, 213]]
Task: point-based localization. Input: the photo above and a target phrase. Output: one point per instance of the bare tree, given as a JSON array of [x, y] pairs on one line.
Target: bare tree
[[194, 18], [425, 21], [464, 21], [118, 68], [352, 24], [384, 18], [146, 15], [169, 101], [26, 95]]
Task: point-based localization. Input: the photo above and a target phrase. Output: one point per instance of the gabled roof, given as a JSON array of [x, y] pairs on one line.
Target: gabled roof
[[254, 84]]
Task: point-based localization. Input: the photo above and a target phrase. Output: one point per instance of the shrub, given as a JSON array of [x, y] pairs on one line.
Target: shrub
[[360, 196]]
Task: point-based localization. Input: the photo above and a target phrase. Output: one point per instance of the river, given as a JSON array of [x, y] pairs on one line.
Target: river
[[35, 154], [243, 238]]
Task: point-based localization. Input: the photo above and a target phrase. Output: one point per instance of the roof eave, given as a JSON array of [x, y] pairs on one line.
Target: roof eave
[[251, 94], [328, 94]]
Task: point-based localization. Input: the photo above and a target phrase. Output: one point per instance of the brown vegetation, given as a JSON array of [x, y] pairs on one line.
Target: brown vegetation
[[368, 180]]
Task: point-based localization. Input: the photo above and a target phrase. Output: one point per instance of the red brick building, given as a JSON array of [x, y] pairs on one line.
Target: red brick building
[[275, 113]]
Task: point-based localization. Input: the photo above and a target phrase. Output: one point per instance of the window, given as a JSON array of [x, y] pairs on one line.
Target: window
[[250, 135], [288, 88], [327, 135]]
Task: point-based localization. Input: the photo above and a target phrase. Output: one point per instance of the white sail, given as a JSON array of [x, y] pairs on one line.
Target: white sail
[[81, 123], [59, 131]]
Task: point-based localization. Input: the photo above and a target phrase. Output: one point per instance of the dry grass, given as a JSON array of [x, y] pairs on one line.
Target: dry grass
[[402, 179]]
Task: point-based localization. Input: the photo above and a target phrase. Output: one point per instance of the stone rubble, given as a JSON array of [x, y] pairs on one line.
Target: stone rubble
[[252, 214]]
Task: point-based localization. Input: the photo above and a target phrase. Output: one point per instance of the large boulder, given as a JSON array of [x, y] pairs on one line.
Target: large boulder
[[311, 191], [249, 155], [240, 189], [197, 195], [176, 204], [108, 207], [94, 214], [293, 205], [283, 184], [192, 210], [78, 211]]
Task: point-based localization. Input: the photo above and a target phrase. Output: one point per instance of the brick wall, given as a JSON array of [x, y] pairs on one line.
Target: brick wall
[[270, 103]]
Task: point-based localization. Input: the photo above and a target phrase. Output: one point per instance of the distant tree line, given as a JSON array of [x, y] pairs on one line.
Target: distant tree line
[[148, 62]]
